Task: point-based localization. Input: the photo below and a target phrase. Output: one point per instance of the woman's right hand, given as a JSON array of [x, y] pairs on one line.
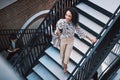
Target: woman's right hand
[[57, 32]]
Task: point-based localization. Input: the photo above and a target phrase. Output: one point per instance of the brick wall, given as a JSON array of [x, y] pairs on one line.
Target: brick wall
[[16, 14]]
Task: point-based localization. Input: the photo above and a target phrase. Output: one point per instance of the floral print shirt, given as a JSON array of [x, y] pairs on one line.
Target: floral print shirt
[[68, 30]]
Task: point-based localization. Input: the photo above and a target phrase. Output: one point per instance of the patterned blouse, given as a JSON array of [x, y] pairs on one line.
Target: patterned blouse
[[68, 30]]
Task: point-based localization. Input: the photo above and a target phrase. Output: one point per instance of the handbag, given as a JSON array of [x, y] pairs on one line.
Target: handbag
[[55, 40]]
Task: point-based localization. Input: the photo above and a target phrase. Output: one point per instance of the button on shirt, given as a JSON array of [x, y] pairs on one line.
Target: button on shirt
[[68, 30]]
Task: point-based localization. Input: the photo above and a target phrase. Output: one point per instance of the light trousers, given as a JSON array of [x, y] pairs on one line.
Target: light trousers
[[66, 47]]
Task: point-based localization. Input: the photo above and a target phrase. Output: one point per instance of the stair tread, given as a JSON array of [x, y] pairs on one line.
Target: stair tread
[[53, 67], [102, 67], [90, 24], [80, 45], [53, 53], [75, 56], [109, 5], [98, 15], [41, 71], [33, 76]]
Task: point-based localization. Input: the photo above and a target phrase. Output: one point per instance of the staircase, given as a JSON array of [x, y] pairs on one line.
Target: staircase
[[92, 18]]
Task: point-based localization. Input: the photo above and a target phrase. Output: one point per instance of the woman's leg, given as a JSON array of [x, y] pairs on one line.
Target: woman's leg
[[67, 56], [62, 51], [65, 50], [68, 50]]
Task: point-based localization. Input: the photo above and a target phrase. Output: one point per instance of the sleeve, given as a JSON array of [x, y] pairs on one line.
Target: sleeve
[[60, 24], [80, 32]]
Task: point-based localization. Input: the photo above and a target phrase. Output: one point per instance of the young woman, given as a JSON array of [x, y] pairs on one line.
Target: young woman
[[66, 29]]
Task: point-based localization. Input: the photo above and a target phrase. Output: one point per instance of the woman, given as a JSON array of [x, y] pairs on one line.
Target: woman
[[66, 29]]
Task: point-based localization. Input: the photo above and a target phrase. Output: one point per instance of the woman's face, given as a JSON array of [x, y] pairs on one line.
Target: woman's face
[[68, 16]]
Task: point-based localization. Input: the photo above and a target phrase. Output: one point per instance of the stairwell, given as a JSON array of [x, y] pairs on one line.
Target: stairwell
[[93, 15]]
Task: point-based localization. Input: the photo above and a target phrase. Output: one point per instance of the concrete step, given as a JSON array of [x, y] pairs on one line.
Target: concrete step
[[81, 46], [53, 67], [96, 14], [109, 5], [33, 76], [55, 55], [90, 24], [43, 72]]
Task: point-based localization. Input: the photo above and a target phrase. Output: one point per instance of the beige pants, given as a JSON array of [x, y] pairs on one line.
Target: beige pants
[[66, 48]]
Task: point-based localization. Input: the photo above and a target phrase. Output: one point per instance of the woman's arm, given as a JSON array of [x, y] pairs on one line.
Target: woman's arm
[[82, 34], [93, 40]]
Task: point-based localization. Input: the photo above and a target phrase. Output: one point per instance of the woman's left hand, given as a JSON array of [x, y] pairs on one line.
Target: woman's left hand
[[93, 40]]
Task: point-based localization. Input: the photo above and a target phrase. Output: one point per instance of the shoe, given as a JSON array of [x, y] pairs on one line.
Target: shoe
[[65, 68]]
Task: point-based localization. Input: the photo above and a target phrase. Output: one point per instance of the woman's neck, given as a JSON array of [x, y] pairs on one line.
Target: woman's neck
[[68, 22]]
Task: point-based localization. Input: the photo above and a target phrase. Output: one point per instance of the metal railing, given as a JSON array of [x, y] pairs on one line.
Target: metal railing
[[40, 40], [36, 43], [116, 52], [23, 34], [91, 63]]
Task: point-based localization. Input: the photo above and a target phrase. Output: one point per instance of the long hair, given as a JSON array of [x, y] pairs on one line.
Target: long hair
[[74, 13], [13, 36]]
